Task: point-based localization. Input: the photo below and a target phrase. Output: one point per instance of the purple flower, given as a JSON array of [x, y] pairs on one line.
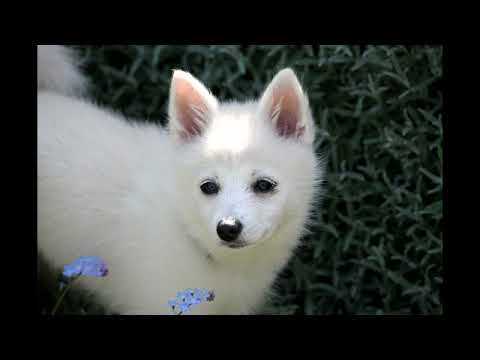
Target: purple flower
[[86, 266]]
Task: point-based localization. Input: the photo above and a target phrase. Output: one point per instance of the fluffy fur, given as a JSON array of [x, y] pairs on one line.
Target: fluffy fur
[[57, 71], [130, 193]]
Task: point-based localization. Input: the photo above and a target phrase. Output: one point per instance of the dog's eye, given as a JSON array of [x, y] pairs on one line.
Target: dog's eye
[[209, 188], [264, 186]]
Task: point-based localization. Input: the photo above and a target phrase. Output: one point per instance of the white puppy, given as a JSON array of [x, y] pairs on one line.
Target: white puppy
[[219, 200]]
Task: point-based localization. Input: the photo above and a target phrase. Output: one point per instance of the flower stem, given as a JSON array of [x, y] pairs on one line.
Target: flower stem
[[62, 295]]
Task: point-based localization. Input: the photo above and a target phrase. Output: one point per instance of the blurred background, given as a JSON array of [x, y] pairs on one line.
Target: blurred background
[[377, 245]]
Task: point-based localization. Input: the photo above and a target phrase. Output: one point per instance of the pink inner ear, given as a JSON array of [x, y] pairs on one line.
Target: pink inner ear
[[186, 98], [289, 116]]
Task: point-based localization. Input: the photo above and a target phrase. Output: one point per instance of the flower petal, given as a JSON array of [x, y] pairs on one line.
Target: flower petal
[[87, 266]]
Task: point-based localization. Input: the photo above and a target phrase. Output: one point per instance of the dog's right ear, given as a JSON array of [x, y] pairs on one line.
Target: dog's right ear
[[191, 106]]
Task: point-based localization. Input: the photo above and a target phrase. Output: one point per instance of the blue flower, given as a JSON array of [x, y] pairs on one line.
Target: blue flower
[[188, 298], [181, 295], [186, 295], [184, 307], [205, 294], [195, 301], [87, 266], [197, 295]]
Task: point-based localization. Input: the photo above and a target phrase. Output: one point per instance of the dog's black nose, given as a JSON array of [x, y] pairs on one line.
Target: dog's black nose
[[229, 229]]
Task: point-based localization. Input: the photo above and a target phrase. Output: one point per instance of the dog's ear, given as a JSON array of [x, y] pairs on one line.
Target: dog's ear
[[286, 106], [190, 107]]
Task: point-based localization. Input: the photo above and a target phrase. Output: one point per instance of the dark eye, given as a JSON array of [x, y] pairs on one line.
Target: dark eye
[[264, 186], [209, 188]]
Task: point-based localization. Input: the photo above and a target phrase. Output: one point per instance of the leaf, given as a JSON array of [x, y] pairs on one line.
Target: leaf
[[330, 229], [325, 288], [434, 178], [398, 279]]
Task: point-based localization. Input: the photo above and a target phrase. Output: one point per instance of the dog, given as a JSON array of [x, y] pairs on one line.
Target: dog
[[218, 199]]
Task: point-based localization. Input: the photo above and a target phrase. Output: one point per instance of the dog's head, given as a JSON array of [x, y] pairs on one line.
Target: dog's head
[[248, 170]]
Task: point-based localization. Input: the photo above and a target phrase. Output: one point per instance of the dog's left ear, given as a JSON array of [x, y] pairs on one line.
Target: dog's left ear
[[286, 106]]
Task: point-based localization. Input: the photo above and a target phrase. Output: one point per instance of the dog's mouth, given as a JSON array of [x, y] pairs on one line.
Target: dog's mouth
[[242, 243], [234, 244]]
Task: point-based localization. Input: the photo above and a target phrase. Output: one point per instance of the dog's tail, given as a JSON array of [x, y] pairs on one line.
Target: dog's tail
[[58, 72]]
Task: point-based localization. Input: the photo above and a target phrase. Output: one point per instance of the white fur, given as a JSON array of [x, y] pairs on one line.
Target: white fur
[[57, 72], [130, 194]]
